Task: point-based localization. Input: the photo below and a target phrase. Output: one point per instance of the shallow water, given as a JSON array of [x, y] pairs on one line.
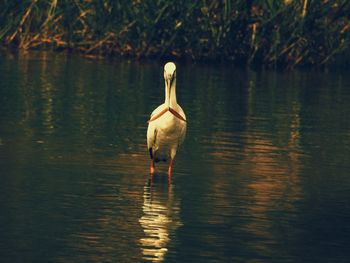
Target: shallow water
[[263, 175]]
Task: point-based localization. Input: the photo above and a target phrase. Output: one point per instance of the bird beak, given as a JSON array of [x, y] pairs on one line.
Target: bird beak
[[169, 81]]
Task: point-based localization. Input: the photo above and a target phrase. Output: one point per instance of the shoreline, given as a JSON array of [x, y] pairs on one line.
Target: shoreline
[[279, 35]]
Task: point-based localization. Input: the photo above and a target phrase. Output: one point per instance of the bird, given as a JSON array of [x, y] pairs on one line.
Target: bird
[[167, 125]]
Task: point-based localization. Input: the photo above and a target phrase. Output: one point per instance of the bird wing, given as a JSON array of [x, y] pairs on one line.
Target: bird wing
[[152, 129], [151, 138], [151, 135], [182, 134], [184, 126]]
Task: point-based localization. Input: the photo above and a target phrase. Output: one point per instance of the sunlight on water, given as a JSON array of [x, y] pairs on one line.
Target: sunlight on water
[[161, 218]]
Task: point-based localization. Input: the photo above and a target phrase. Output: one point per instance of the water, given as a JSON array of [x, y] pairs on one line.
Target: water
[[263, 175]]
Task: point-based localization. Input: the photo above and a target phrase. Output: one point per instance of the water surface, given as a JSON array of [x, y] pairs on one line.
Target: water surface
[[263, 175]]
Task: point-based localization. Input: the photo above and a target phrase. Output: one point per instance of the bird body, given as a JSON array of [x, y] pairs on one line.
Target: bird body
[[167, 125], [166, 133]]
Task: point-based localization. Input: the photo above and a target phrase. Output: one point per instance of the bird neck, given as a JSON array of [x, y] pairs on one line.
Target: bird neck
[[170, 94]]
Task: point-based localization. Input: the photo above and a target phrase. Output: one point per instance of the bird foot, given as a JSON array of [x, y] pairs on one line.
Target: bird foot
[[152, 169], [170, 168]]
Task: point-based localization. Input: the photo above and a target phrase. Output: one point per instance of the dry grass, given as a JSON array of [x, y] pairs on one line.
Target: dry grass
[[262, 32]]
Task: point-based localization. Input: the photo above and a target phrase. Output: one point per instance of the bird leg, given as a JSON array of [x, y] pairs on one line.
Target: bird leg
[[152, 167], [170, 167]]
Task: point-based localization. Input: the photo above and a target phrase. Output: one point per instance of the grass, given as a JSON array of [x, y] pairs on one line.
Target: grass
[[269, 33]]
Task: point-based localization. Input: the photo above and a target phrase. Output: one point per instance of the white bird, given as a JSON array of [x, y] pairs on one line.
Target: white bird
[[167, 125]]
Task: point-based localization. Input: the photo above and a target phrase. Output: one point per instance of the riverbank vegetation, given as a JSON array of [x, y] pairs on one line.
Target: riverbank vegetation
[[286, 33]]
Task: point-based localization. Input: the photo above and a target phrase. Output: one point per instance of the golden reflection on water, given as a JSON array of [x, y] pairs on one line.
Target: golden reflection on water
[[159, 221], [275, 170], [269, 165]]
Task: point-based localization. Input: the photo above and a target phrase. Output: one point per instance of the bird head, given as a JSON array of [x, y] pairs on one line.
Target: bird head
[[169, 73]]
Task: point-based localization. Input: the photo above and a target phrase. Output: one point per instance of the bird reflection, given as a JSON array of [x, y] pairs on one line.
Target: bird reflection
[[160, 218]]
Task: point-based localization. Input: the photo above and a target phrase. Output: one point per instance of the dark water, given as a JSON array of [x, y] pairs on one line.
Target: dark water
[[263, 175]]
